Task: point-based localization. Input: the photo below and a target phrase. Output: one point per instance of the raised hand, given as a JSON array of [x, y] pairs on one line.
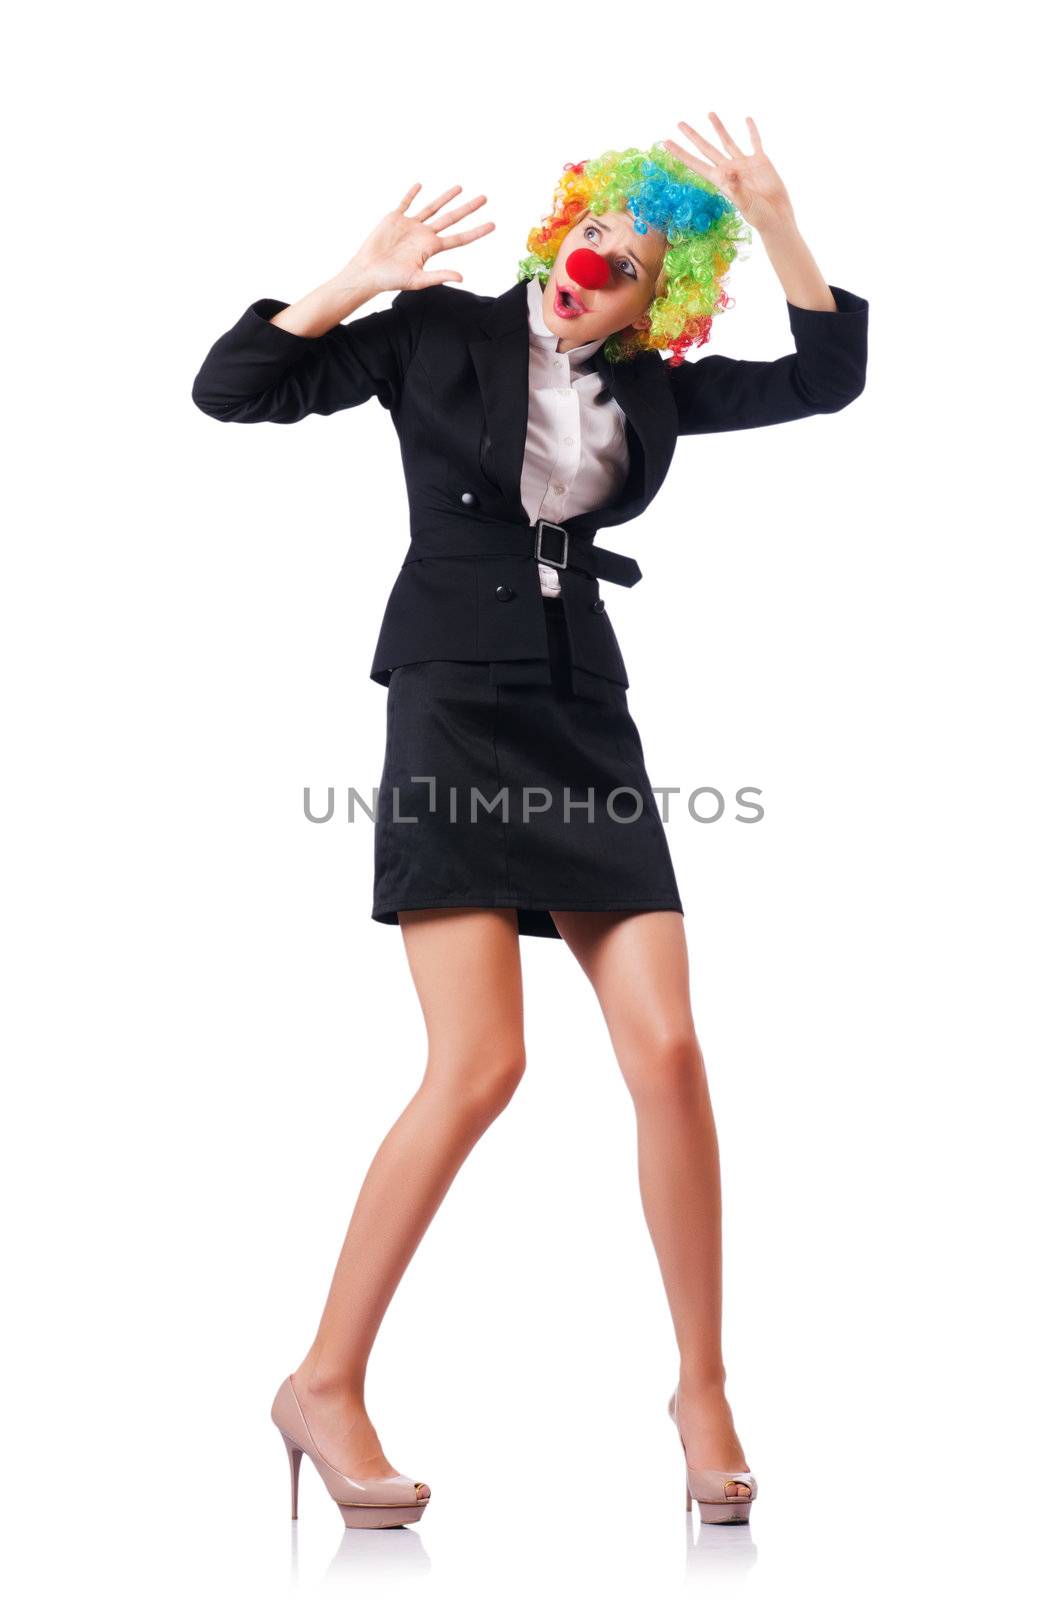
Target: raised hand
[[394, 253], [751, 182]]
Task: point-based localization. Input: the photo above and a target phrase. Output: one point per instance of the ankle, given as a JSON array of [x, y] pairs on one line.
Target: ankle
[[702, 1382], [318, 1381]]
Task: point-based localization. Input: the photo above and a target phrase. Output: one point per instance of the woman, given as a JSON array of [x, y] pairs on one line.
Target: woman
[[526, 423]]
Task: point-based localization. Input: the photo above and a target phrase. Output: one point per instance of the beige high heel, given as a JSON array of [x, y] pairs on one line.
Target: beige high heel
[[364, 1502], [709, 1486]]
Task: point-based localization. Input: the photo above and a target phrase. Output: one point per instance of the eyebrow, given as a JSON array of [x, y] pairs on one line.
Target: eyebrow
[[608, 229]]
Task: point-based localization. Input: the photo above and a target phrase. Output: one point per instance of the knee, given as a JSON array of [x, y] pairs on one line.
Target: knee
[[667, 1066], [488, 1087], [480, 1085]]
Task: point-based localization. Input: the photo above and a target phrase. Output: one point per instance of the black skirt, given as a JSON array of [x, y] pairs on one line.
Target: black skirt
[[525, 796]]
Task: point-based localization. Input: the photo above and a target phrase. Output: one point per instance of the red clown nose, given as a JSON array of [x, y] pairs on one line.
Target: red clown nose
[[587, 269]]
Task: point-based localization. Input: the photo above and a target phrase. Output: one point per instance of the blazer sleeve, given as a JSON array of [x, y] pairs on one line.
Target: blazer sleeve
[[259, 372], [825, 372]]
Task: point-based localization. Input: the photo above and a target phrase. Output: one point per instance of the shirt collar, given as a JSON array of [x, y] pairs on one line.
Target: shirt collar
[[540, 330]]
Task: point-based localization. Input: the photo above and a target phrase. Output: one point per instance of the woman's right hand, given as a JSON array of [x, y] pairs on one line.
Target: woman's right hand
[[394, 253]]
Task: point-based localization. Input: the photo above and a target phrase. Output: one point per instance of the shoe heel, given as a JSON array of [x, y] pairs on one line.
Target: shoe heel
[[294, 1457], [376, 1502], [715, 1506]]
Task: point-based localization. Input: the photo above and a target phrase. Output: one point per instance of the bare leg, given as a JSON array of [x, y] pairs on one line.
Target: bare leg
[[465, 966], [638, 966]]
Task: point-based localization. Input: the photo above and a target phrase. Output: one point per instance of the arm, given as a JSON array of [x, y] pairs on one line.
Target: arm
[[262, 371], [280, 362], [830, 325], [826, 372]]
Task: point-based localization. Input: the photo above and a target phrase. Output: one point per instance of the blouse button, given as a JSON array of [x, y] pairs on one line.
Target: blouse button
[[469, 499], [503, 592]]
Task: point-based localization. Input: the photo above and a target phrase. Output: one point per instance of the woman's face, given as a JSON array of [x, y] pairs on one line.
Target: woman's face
[[635, 261]]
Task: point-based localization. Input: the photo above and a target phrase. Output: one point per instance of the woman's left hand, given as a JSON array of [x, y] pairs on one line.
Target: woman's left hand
[[751, 182]]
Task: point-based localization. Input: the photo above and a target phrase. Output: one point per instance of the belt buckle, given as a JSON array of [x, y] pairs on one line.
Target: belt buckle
[[541, 525]]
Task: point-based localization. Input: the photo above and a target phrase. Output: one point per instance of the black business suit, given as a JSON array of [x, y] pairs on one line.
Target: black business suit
[[466, 612]]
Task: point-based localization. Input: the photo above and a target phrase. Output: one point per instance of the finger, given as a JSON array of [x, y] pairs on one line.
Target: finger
[[689, 159], [458, 212], [465, 238], [408, 198], [723, 178], [726, 137], [756, 140], [701, 143], [431, 208], [426, 279]]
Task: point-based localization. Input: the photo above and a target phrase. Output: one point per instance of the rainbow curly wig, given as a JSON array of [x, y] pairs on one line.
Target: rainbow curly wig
[[703, 232]]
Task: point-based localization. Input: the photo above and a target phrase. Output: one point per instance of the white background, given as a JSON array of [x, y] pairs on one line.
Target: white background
[[207, 1034]]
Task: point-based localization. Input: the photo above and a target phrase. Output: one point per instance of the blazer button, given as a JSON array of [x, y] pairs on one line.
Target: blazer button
[[503, 592], [599, 605], [469, 499]]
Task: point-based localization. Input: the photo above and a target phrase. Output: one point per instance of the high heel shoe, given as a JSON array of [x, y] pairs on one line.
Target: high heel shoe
[[709, 1486], [364, 1502]]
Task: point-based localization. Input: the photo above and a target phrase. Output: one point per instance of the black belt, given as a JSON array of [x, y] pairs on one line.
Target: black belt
[[572, 550]]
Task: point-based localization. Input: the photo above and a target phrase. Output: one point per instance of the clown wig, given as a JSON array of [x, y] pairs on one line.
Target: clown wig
[[702, 228]]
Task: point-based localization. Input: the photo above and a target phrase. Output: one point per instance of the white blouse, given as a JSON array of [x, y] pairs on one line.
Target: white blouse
[[576, 456]]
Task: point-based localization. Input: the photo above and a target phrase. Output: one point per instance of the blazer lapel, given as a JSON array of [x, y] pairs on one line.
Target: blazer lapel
[[641, 387], [502, 362]]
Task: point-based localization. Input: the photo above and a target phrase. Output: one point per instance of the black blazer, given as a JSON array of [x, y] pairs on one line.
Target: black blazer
[[452, 368]]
